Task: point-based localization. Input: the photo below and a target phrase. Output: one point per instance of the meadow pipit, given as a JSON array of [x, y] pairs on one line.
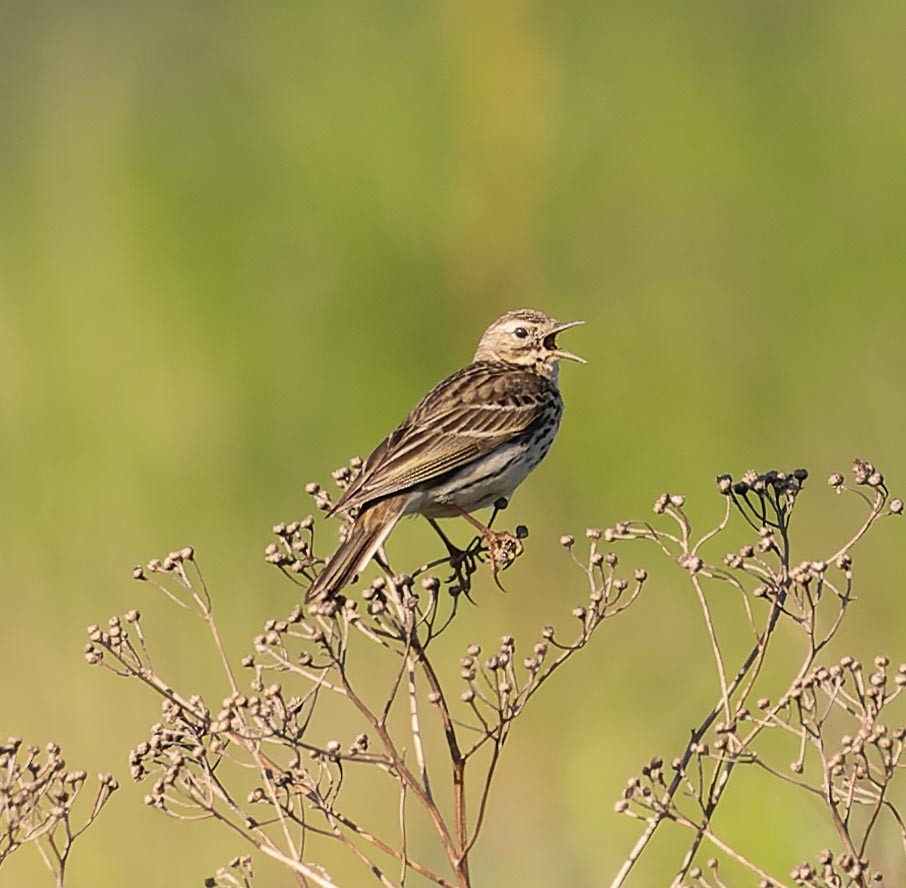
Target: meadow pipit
[[466, 445]]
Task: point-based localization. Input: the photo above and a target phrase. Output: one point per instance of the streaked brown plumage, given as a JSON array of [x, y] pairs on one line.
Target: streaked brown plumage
[[469, 442]]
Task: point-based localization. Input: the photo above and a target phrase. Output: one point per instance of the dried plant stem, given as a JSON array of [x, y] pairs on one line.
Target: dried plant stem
[[722, 776], [715, 646], [755, 655], [457, 762], [411, 781], [275, 731], [297, 866], [730, 852]]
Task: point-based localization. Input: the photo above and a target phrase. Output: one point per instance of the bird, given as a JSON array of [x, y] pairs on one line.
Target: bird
[[468, 444]]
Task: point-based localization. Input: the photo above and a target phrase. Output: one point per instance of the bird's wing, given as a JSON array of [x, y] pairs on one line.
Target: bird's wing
[[463, 418]]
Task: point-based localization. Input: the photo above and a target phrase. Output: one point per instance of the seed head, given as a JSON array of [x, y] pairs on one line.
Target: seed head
[[862, 470]]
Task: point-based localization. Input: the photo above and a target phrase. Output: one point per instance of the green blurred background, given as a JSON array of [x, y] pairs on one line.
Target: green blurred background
[[237, 242]]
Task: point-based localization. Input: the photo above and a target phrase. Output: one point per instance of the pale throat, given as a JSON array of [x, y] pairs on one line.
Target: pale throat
[[548, 368]]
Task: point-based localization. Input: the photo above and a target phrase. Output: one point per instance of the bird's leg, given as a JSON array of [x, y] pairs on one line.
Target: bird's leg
[[503, 547], [382, 561], [452, 548], [461, 560]]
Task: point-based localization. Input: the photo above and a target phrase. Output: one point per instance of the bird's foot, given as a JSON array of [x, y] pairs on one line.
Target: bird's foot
[[464, 563], [503, 549]]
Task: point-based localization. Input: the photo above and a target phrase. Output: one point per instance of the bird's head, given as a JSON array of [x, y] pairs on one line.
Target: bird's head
[[527, 339]]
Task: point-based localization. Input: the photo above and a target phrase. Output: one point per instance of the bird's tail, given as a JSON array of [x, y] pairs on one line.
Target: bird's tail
[[365, 537]]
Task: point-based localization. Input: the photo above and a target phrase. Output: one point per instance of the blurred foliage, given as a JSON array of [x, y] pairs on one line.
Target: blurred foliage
[[238, 242]]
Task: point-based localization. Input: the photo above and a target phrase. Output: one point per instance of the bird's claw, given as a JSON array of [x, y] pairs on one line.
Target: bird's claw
[[503, 550], [464, 562]]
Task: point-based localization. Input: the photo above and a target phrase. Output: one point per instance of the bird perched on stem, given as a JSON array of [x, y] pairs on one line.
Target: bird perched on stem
[[465, 446]]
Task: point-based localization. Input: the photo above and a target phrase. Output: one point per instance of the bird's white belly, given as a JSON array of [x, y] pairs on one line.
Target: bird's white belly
[[479, 484]]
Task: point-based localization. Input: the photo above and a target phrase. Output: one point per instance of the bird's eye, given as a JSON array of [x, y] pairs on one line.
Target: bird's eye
[[520, 332]]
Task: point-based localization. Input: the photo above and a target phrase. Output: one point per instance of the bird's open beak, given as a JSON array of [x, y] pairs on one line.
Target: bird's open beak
[[550, 343]]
